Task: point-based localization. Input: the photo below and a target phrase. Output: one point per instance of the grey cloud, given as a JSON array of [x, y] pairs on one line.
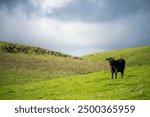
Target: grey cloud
[[101, 10], [85, 10], [12, 4], [24, 6]]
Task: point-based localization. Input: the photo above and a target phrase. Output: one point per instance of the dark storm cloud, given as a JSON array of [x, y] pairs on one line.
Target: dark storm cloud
[[11, 3], [101, 10], [24, 6], [84, 10]]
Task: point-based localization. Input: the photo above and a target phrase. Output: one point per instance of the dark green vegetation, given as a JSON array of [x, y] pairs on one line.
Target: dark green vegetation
[[25, 74]]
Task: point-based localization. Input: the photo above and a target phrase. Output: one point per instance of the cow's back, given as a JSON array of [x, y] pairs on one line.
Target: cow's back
[[120, 64]]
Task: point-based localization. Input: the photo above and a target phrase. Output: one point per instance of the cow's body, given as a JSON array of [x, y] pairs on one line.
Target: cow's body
[[116, 66]]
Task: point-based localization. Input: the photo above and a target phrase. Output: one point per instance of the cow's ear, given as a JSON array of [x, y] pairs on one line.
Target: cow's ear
[[107, 59]]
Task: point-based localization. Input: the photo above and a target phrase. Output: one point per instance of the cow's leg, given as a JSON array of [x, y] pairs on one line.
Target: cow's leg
[[122, 73], [112, 74], [115, 74]]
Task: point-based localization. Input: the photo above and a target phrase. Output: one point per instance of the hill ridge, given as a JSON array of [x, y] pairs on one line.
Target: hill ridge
[[134, 55], [12, 47]]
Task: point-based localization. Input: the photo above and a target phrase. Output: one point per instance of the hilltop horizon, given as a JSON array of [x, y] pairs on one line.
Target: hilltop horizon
[[94, 52]]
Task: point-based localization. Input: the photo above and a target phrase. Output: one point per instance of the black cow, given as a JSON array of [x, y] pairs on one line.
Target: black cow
[[116, 66]]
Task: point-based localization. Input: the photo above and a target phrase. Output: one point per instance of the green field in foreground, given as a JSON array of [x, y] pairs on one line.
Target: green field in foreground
[[29, 74], [135, 85]]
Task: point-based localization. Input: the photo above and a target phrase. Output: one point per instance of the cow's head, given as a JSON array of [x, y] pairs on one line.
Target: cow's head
[[110, 60]]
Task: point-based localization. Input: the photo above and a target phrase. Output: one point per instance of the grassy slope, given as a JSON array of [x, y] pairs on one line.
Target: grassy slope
[[29, 76], [135, 85], [20, 68], [133, 56]]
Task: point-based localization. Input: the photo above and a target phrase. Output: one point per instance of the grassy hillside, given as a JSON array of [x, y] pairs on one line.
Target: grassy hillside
[[135, 85], [134, 56], [19, 67], [26, 73], [26, 49]]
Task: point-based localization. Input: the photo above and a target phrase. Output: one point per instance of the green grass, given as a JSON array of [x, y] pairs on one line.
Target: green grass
[[133, 56], [23, 68], [46, 76], [98, 85]]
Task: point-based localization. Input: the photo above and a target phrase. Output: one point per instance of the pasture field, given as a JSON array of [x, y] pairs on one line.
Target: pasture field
[[138, 55], [29, 74], [135, 85]]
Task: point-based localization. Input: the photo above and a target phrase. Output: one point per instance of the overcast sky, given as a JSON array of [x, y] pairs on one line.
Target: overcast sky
[[76, 27]]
